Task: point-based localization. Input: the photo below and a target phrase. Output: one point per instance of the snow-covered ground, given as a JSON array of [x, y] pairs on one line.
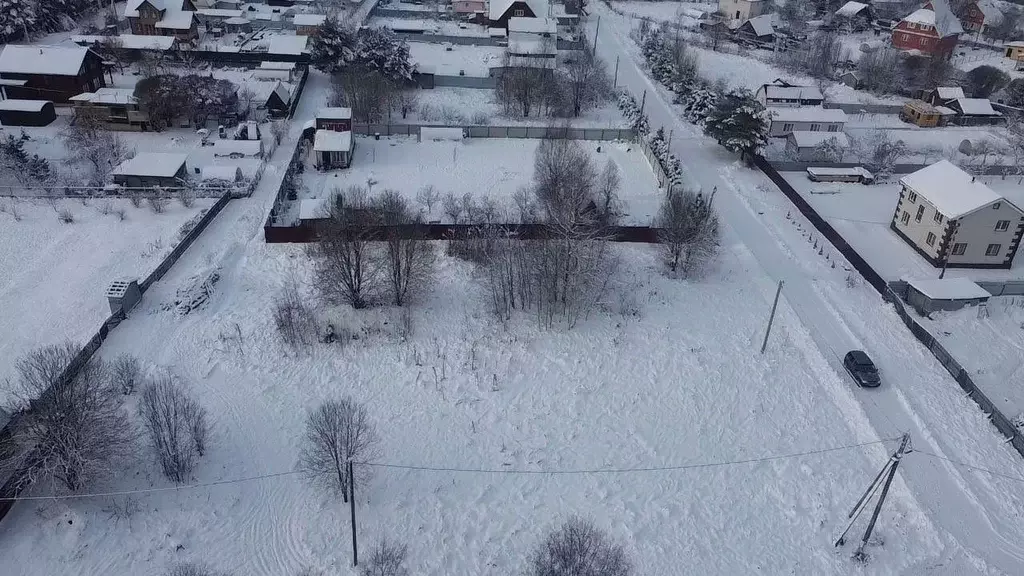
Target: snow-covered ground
[[55, 275], [683, 13], [975, 512], [862, 215], [429, 26], [451, 60], [669, 374], [970, 57], [467, 106], [491, 168]]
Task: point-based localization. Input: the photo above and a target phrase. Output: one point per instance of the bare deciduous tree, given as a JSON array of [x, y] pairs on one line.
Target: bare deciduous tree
[[586, 82], [87, 142], [338, 432], [125, 372], [428, 196], [524, 84], [345, 266], [367, 93], [246, 98], [409, 258], [294, 318], [73, 429], [608, 191], [688, 232], [406, 101], [452, 207], [578, 548], [386, 559], [177, 428], [157, 203]]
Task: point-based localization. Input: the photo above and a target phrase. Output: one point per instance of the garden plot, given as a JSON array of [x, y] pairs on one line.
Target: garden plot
[[861, 214], [667, 375], [456, 60], [491, 168], [472, 106], [55, 274]]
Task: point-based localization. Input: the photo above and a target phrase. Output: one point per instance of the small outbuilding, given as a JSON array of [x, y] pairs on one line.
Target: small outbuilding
[[152, 169], [921, 113], [974, 112], [26, 112], [807, 146], [238, 148], [944, 294], [279, 102], [332, 149]]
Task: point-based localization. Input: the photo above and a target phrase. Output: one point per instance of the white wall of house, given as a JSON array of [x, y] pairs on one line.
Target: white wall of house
[[995, 224], [743, 9], [780, 128]]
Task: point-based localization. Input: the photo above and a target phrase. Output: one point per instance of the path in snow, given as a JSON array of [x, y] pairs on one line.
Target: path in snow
[[918, 395]]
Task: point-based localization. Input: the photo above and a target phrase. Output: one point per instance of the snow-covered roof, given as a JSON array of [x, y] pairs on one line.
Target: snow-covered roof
[[155, 164], [23, 105], [309, 19], [130, 41], [776, 92], [976, 107], [31, 59], [311, 208], [496, 8], [1016, 44], [281, 44], [176, 21], [953, 192], [107, 96], [807, 114], [826, 171], [949, 288], [500, 32], [271, 65], [534, 25], [993, 15], [331, 141], [762, 25], [850, 9], [239, 21], [950, 92], [941, 17], [805, 139], [945, 111], [244, 147], [921, 16], [220, 13], [334, 113]]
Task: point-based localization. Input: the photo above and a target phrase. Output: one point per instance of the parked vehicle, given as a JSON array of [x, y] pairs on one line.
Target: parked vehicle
[[863, 370]]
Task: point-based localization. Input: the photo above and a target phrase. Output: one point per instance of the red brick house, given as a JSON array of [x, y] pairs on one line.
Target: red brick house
[[53, 73], [979, 14], [932, 30]]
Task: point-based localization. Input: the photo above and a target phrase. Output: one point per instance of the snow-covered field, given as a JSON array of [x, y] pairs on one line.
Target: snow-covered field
[[55, 275], [483, 167], [466, 106], [429, 26], [684, 13], [471, 60], [668, 374], [862, 215]]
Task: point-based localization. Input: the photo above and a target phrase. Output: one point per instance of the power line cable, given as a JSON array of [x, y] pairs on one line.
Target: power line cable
[[971, 466], [581, 471]]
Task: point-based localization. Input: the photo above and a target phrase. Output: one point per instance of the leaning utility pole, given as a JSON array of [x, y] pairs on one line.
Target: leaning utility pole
[[771, 318], [352, 508], [889, 471]]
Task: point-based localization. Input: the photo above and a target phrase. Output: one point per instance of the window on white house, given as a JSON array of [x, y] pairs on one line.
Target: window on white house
[[815, 127], [1002, 225], [833, 128], [930, 239], [938, 218], [920, 213], [912, 196], [959, 248], [787, 127], [905, 218], [993, 249]]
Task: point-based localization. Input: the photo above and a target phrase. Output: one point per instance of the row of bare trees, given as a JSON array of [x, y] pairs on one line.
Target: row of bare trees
[[70, 426], [531, 85]]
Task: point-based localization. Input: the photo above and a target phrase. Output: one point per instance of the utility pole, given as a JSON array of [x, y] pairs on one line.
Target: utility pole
[[669, 145], [949, 249], [596, 30], [643, 100], [859, 554], [352, 508], [771, 318], [615, 81]]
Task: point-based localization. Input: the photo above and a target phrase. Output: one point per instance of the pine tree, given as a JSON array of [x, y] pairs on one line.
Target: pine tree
[[382, 50], [15, 17], [699, 105], [739, 122], [333, 46]]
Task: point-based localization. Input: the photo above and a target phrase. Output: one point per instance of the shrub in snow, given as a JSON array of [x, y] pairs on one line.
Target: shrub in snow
[[294, 319], [631, 112], [699, 104], [75, 429], [337, 432], [578, 548], [386, 559], [669, 162], [688, 232], [66, 216], [125, 372], [177, 428], [193, 569], [157, 203], [196, 292], [186, 196]]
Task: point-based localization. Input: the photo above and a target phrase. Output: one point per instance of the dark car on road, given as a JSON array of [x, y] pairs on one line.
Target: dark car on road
[[862, 369]]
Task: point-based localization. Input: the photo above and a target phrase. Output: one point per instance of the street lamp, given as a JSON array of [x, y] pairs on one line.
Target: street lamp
[[949, 249]]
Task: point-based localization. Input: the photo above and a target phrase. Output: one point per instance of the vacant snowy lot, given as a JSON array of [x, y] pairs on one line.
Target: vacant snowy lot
[[862, 215], [469, 60], [474, 106], [55, 274], [483, 167], [667, 373]]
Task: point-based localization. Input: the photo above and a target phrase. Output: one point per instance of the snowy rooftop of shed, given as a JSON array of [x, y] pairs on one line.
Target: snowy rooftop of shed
[[309, 19], [774, 91], [953, 192], [808, 114], [55, 60], [331, 141], [977, 106], [850, 9], [244, 147], [220, 13], [23, 105], [762, 25], [534, 25], [311, 208], [949, 289], [176, 21], [950, 92], [157, 164], [281, 44], [107, 96], [334, 113]]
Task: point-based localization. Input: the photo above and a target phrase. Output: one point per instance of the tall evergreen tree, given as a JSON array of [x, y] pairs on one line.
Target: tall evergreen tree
[[382, 50], [333, 46], [739, 122], [16, 16]]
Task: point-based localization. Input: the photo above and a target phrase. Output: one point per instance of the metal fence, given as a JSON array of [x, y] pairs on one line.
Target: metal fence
[[560, 43], [962, 377], [655, 162], [307, 231], [598, 134], [993, 170]]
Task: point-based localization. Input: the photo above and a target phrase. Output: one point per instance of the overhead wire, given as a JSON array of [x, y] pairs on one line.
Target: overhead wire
[[970, 466]]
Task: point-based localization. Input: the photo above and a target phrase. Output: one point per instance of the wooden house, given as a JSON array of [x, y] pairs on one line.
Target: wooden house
[[932, 30], [53, 73]]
